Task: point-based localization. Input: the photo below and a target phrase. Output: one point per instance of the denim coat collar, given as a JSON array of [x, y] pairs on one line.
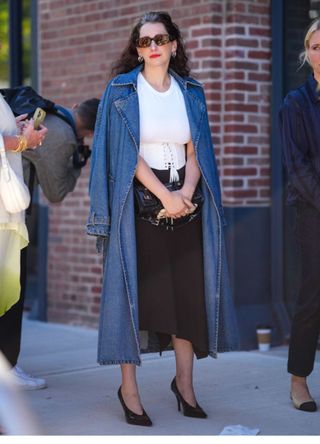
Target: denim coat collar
[[131, 78]]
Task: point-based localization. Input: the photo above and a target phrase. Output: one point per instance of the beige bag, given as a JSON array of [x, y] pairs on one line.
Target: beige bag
[[13, 191]]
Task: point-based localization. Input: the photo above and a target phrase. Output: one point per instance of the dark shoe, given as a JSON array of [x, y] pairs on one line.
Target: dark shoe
[[305, 406], [188, 410], [134, 418]]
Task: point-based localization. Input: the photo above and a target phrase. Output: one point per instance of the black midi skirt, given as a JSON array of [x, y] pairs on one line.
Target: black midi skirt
[[171, 281]]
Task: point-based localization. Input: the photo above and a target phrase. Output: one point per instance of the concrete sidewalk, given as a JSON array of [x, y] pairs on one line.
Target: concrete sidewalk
[[247, 388]]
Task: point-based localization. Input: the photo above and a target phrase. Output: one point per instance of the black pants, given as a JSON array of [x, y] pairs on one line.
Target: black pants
[[306, 321], [11, 321]]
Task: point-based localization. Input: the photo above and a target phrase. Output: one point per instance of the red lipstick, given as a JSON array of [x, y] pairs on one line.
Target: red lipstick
[[153, 56]]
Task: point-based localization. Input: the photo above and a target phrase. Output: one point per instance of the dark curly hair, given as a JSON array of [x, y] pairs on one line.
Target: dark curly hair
[[129, 57]]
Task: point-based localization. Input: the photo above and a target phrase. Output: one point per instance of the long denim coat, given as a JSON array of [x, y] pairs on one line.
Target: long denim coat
[[111, 219]]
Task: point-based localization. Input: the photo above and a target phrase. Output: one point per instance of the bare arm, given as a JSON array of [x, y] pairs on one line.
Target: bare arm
[[192, 173], [10, 143]]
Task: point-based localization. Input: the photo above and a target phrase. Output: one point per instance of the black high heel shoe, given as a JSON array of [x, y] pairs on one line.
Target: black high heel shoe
[[134, 418], [188, 410]]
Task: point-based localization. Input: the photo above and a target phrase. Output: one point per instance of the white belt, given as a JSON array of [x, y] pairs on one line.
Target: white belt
[[164, 155]]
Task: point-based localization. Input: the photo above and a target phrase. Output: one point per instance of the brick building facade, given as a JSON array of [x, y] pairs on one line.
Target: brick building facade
[[228, 42]]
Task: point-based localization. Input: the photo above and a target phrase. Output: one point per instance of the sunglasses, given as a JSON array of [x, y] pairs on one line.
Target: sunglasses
[[159, 40]]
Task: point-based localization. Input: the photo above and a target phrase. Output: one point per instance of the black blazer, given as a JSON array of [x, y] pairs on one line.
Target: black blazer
[[300, 132]]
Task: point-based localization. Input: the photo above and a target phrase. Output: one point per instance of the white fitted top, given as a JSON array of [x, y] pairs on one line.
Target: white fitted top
[[164, 127]]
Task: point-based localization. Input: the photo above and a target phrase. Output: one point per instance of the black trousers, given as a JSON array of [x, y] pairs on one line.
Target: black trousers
[[11, 321], [306, 321]]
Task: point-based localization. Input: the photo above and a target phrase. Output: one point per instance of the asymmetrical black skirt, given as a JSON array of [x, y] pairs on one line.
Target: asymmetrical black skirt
[[171, 281]]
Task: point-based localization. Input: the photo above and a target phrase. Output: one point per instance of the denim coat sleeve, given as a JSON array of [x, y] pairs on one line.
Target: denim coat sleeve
[[297, 154], [98, 223]]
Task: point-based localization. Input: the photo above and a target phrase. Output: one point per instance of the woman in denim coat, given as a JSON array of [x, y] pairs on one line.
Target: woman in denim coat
[[115, 166]]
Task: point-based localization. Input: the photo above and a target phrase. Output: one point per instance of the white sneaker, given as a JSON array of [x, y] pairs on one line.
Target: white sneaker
[[26, 381]]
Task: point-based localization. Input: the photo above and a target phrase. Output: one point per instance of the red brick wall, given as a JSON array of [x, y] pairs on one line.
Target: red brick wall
[[229, 47], [245, 163]]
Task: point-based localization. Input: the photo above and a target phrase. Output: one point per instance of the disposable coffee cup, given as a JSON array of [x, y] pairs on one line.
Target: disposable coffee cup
[[264, 338]]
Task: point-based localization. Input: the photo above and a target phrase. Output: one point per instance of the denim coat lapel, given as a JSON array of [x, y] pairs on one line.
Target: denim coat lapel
[[196, 112], [131, 119], [195, 108]]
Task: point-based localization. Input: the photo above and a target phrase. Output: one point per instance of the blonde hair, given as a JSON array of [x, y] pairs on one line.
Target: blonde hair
[[303, 57]]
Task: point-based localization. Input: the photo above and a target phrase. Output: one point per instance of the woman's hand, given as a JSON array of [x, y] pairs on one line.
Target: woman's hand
[[187, 192], [34, 137], [176, 205], [21, 122]]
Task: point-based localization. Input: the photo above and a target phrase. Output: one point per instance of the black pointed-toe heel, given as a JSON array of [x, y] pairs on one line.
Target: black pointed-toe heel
[[131, 417], [188, 410]]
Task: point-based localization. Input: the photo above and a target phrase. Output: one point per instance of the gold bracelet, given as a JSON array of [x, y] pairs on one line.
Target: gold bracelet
[[22, 145]]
